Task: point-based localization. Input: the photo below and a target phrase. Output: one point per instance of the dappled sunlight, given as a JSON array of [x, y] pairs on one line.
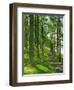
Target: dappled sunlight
[[43, 44]]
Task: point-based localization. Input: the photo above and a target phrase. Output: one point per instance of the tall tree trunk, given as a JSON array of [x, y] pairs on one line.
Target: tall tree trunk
[[54, 45], [31, 40], [35, 30], [42, 42], [26, 31], [38, 36], [59, 39]]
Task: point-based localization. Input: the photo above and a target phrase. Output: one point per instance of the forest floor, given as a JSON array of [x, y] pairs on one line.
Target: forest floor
[[52, 67]]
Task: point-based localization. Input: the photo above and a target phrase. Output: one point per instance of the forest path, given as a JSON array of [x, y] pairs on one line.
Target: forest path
[[56, 64]]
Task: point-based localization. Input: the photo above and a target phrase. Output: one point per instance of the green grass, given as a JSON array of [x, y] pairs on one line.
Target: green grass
[[29, 69]]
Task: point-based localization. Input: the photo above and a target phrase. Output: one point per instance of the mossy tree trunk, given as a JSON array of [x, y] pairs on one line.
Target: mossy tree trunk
[[31, 40]]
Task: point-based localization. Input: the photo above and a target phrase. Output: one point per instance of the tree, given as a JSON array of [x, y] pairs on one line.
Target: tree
[[31, 39]]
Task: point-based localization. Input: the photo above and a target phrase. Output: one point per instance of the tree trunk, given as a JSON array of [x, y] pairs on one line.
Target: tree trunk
[[31, 40]]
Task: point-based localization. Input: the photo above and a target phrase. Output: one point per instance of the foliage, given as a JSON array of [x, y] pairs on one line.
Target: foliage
[[43, 43]]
